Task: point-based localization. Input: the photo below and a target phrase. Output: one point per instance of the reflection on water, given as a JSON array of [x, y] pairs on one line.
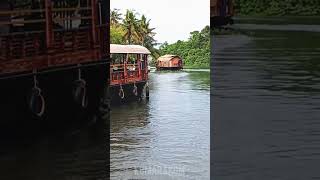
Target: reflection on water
[[167, 137], [76, 155], [265, 101]]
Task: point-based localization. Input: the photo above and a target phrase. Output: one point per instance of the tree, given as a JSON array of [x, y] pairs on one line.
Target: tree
[[133, 30], [278, 8], [116, 35], [115, 17], [144, 31], [195, 51], [130, 24]]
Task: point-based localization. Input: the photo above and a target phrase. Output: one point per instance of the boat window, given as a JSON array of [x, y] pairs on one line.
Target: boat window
[[11, 21], [117, 58], [66, 15], [132, 59], [71, 14], [4, 6]]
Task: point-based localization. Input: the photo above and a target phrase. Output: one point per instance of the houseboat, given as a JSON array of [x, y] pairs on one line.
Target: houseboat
[[128, 72], [221, 12], [53, 61], [169, 62]]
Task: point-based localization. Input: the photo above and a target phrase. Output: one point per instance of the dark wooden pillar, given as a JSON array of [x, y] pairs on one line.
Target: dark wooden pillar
[[49, 23], [104, 16], [94, 22], [139, 56]]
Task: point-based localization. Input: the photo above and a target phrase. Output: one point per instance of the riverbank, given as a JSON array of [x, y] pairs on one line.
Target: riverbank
[[277, 19], [278, 8], [195, 51], [186, 69], [304, 23], [196, 70], [196, 67], [224, 31]]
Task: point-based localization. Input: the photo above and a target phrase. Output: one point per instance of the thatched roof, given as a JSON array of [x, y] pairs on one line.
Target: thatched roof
[[167, 57], [128, 49]]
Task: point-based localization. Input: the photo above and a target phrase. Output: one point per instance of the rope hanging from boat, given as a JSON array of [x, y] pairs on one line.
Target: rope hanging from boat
[[147, 90], [121, 92], [135, 89], [80, 91], [37, 103]]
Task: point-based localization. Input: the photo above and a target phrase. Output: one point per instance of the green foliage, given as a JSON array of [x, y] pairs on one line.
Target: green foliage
[[195, 52], [116, 34], [278, 7], [132, 30], [130, 24], [115, 16]]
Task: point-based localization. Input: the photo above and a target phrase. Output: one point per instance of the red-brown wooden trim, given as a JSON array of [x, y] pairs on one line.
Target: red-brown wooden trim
[[49, 33]]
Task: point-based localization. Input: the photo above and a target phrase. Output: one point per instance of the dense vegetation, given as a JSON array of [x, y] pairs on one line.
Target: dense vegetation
[[278, 7], [132, 30], [195, 51]]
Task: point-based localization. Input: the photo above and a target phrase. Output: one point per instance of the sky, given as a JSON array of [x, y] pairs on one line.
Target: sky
[[173, 19]]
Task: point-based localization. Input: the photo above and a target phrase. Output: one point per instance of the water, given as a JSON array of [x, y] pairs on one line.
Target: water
[[167, 137], [266, 102], [78, 154]]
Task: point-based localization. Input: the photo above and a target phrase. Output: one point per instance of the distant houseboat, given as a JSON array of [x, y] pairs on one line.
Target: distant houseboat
[[169, 62], [128, 72]]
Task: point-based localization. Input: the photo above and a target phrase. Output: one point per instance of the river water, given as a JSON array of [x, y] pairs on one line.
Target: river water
[[266, 101], [167, 137], [77, 154]]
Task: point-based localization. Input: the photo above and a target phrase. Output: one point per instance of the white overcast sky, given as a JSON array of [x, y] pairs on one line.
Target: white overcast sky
[[173, 19]]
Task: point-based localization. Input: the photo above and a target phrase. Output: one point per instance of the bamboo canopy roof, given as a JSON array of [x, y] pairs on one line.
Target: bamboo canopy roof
[[128, 49]]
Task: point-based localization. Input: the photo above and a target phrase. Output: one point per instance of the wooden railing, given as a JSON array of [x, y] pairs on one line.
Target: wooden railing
[[66, 39], [22, 45], [66, 16], [18, 17], [54, 36], [126, 73], [72, 40]]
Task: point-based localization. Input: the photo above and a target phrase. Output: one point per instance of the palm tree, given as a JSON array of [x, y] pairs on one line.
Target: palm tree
[[115, 17], [144, 31], [130, 24]]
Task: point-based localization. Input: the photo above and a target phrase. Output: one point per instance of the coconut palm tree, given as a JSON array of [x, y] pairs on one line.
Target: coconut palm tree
[[144, 30], [115, 17], [130, 24]]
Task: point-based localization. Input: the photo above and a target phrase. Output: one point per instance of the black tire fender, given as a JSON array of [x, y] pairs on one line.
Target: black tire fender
[[37, 103]]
